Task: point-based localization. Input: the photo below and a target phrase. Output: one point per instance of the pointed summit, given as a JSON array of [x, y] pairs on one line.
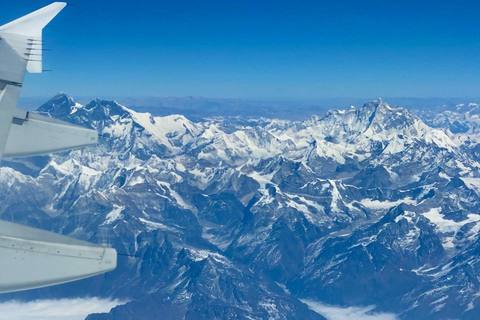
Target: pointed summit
[[377, 103], [60, 105]]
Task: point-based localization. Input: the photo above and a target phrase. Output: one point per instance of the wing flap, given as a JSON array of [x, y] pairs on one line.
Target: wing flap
[[34, 258], [33, 134]]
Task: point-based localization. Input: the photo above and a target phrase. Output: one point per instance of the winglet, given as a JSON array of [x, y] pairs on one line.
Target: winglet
[[31, 26]]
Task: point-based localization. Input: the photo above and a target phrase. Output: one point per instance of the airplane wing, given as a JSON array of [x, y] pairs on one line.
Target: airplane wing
[[33, 134], [34, 258], [22, 133]]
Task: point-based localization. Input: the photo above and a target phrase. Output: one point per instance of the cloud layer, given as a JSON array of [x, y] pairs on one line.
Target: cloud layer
[[63, 309], [339, 313]]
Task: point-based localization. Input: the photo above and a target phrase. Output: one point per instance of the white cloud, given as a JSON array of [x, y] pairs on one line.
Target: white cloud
[[63, 309], [348, 313]]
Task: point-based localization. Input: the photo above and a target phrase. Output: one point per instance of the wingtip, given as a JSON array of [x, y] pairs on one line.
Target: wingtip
[[35, 21], [60, 4]]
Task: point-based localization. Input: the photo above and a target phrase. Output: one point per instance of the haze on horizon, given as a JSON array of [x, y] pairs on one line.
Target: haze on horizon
[[259, 50]]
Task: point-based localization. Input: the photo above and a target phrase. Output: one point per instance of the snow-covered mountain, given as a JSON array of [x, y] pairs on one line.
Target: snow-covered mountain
[[240, 218]]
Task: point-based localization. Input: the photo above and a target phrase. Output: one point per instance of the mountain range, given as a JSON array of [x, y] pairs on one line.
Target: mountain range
[[245, 218]]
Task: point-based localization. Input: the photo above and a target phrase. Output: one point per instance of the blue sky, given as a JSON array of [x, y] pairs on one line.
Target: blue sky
[[259, 49]]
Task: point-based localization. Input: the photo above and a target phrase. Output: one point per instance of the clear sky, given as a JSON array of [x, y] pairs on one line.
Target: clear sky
[[259, 49]]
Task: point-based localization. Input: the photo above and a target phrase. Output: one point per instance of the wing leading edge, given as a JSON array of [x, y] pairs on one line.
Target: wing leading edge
[[34, 258]]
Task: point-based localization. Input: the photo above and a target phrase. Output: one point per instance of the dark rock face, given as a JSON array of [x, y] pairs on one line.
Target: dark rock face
[[241, 218]]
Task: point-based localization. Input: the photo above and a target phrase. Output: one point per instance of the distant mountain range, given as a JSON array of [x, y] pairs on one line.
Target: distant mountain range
[[199, 108], [241, 217]]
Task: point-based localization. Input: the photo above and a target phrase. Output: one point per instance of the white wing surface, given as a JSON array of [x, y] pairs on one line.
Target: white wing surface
[[33, 134], [24, 35], [20, 50], [32, 258]]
